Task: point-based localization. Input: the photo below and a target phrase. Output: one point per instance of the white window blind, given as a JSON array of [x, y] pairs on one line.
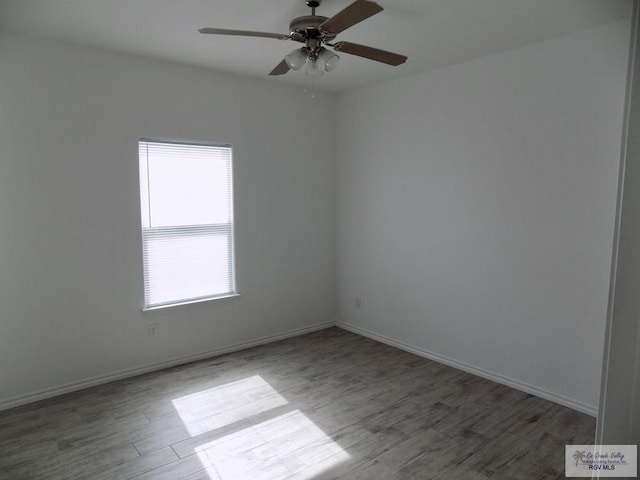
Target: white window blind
[[186, 203]]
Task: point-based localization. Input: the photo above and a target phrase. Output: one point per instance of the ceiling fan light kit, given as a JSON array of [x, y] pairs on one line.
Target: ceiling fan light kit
[[316, 31]]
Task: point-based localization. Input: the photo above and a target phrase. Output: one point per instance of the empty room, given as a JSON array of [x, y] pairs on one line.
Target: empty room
[[313, 240]]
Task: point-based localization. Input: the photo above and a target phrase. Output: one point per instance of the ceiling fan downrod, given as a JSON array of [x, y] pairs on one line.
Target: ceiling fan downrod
[[313, 4]]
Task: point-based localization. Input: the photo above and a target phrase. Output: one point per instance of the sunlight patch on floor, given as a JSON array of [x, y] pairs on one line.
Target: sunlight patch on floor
[[232, 441], [287, 445], [226, 404]]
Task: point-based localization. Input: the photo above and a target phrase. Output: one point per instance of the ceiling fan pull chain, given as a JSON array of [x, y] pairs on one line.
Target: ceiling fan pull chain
[[308, 67]]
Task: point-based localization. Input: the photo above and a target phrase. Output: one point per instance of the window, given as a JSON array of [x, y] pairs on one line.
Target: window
[[186, 204]]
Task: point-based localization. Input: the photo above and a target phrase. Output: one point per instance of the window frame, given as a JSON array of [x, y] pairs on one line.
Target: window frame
[[181, 231]]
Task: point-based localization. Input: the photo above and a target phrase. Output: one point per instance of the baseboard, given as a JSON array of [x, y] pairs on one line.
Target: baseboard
[[510, 382], [152, 367], [102, 379]]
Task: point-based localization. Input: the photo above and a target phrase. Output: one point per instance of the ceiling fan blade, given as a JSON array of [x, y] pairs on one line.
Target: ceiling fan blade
[[371, 53], [355, 13], [244, 33], [280, 69]]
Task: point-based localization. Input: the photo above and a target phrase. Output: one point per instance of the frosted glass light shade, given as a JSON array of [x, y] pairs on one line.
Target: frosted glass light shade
[[296, 59], [328, 59], [314, 68]]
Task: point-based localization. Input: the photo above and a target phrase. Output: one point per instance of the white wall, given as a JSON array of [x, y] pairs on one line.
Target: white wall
[[476, 210], [70, 254]]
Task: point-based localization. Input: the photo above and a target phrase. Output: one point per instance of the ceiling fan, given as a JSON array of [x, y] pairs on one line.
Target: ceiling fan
[[316, 31]]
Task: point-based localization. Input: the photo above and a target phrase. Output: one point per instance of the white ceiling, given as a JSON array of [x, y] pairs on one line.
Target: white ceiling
[[432, 33]]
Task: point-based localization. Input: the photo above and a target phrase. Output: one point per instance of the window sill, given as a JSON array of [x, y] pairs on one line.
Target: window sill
[[189, 302]]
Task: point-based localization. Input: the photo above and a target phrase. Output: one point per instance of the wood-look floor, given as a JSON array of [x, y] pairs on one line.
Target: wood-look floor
[[326, 405]]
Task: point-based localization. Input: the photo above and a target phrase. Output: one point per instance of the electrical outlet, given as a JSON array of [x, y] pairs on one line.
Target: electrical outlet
[[358, 302], [153, 330]]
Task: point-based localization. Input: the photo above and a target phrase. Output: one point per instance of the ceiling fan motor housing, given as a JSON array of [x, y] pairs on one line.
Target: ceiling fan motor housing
[[307, 24], [305, 29]]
